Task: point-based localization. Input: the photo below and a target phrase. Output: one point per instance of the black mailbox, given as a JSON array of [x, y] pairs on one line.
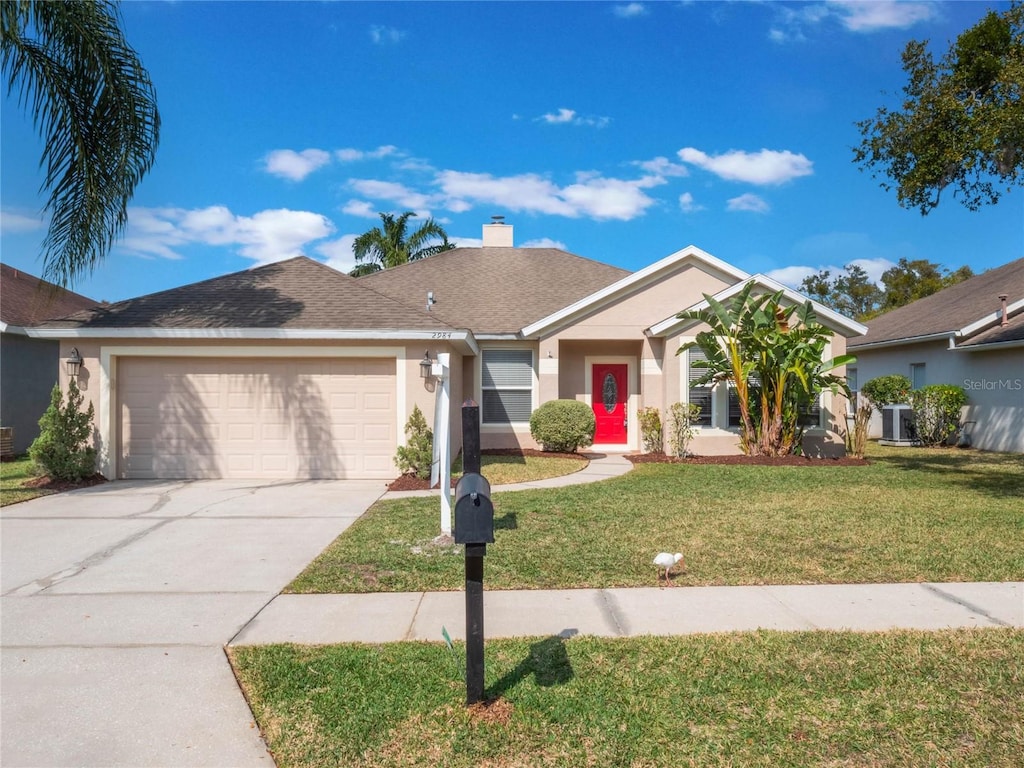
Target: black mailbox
[[474, 512]]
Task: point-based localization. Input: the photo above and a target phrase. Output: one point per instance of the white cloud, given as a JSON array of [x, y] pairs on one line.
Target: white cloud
[[339, 253], [16, 222], [861, 16], [395, 192], [566, 116], [591, 195], [293, 165], [381, 35], [630, 10], [264, 237], [352, 155], [748, 202], [791, 276], [362, 208], [794, 275], [662, 166], [544, 242], [764, 167], [687, 204]]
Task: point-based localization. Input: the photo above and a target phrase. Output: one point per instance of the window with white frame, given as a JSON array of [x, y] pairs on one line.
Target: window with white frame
[[852, 383], [699, 395], [507, 385]]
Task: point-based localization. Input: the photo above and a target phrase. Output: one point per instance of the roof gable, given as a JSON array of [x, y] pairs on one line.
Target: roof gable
[[298, 293], [958, 311], [28, 300], [495, 290], [632, 283], [829, 318]]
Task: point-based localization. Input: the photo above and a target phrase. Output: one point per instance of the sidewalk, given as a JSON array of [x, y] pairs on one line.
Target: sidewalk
[[387, 617]]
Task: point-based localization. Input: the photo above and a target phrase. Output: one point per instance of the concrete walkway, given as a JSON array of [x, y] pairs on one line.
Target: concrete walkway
[[600, 467], [386, 617]]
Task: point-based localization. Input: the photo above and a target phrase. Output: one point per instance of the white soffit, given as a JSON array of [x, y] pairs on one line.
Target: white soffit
[[637, 279]]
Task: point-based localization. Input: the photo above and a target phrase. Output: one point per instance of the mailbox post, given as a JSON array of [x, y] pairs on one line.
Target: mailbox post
[[474, 527]]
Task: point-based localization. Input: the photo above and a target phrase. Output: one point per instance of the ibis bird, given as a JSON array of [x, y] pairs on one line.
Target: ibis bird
[[667, 561]]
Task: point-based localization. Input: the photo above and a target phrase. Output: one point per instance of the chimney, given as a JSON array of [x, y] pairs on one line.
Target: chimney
[[497, 234], [1004, 321]]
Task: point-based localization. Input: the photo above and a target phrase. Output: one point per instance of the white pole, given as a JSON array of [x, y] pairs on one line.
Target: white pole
[[442, 441]]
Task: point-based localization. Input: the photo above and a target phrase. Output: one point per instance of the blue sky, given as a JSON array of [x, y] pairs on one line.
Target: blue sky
[[618, 131]]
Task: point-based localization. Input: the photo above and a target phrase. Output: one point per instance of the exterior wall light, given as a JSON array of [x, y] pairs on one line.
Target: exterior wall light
[[426, 364], [74, 362]]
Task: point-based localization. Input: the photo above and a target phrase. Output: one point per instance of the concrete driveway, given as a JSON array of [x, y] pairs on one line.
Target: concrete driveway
[[117, 601]]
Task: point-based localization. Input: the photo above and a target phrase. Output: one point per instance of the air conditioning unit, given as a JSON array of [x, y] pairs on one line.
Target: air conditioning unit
[[897, 425]]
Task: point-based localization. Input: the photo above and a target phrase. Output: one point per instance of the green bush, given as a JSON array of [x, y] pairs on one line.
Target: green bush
[[937, 412], [680, 426], [650, 429], [563, 425], [416, 456], [886, 390], [63, 449]]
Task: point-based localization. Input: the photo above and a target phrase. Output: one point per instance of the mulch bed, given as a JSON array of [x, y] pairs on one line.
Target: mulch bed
[[413, 483], [47, 483], [761, 461]]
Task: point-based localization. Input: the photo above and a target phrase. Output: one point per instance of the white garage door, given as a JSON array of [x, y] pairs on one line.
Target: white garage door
[[257, 418]]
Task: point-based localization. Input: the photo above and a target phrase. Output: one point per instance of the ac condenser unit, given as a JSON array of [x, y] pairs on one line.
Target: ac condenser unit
[[897, 425]]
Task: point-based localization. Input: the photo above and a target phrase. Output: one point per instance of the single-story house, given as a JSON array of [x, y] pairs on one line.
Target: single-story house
[[296, 370], [28, 366], [971, 335]]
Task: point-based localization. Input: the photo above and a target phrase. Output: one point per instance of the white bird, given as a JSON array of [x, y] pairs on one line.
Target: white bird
[[667, 561]]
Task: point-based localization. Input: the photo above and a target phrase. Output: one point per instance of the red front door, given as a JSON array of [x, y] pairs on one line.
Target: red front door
[[609, 398]]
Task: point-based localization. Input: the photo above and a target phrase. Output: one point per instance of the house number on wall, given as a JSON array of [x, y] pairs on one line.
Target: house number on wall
[[609, 393]]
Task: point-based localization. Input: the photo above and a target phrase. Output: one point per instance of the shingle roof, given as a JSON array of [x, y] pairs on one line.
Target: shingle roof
[[951, 309], [495, 290], [26, 300], [1000, 334], [297, 293]]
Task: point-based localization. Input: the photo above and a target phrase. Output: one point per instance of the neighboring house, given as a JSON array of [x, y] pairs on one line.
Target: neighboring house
[[29, 366], [297, 370], [971, 335]]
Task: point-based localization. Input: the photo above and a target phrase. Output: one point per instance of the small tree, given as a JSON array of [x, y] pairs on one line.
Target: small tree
[[680, 426], [937, 412], [63, 449], [416, 456], [886, 390], [650, 429], [857, 443], [563, 425]]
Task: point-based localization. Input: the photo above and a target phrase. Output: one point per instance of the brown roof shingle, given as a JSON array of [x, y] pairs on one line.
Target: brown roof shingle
[[495, 290], [26, 300], [949, 310], [296, 293]]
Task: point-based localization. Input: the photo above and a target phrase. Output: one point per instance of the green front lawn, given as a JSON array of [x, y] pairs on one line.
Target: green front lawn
[[906, 699], [12, 475], [911, 515]]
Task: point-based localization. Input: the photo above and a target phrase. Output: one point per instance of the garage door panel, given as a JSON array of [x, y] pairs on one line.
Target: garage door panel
[[242, 418]]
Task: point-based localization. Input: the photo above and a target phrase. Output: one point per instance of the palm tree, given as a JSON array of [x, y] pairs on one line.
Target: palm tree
[[95, 107], [381, 248]]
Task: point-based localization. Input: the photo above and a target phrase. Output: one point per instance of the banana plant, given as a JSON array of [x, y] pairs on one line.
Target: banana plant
[[773, 355]]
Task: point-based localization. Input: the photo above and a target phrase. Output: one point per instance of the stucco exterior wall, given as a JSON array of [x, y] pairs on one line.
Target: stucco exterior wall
[[28, 370], [993, 381]]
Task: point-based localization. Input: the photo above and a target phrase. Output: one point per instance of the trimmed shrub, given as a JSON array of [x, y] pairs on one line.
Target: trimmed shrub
[[937, 412], [650, 429], [63, 449], [417, 455], [680, 426], [886, 390], [563, 425]]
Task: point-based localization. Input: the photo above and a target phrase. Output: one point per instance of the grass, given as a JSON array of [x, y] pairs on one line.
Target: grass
[[952, 698], [12, 475], [505, 470], [911, 515]]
